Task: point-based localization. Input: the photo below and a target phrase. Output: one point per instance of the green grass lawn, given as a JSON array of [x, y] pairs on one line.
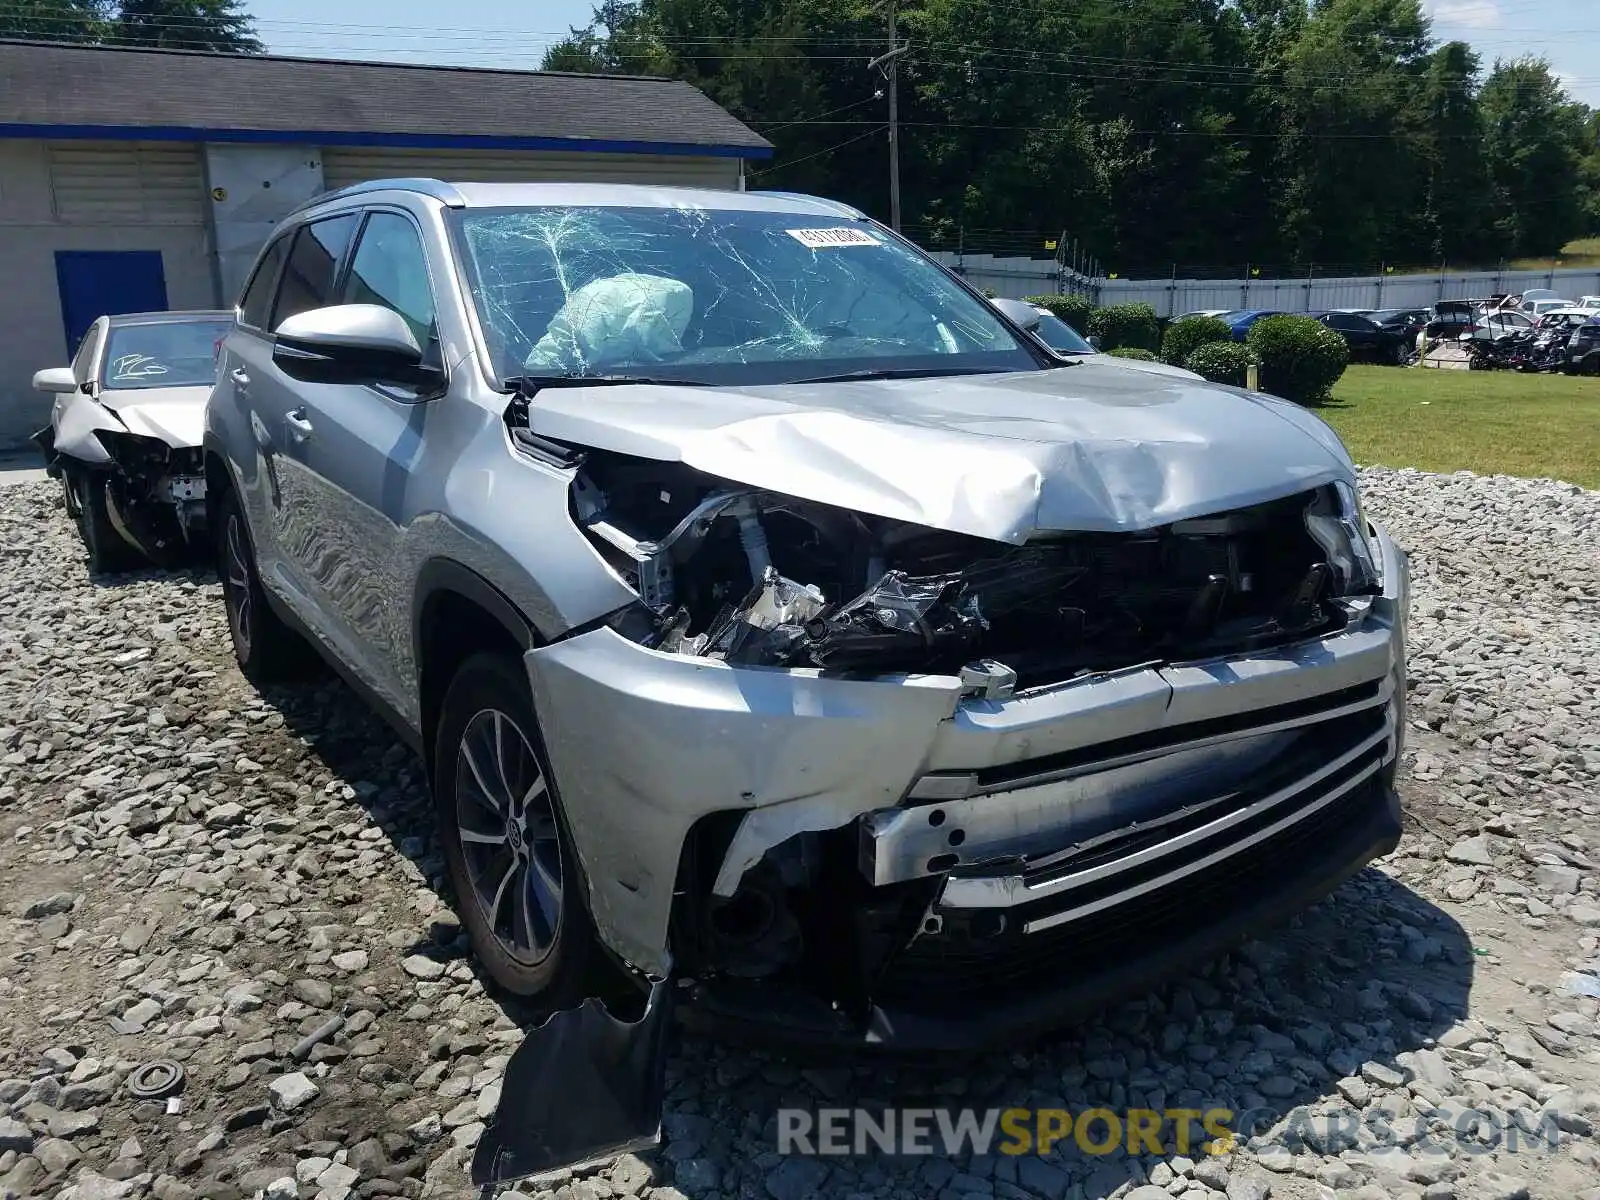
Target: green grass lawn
[[1585, 252], [1492, 422]]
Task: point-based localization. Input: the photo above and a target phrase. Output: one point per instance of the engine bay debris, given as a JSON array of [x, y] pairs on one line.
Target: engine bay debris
[[761, 579]]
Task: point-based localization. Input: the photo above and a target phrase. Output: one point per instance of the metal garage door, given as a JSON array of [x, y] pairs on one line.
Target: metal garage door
[[127, 183], [342, 166]]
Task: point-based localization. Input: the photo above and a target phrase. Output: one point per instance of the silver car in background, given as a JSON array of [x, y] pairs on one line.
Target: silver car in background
[[124, 434], [788, 635]]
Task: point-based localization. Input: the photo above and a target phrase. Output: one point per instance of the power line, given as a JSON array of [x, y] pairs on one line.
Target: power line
[[826, 150]]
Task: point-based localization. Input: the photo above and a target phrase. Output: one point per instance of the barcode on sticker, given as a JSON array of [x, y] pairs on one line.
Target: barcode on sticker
[[824, 239]]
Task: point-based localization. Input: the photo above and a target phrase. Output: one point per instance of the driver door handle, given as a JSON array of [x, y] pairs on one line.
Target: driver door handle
[[299, 428], [240, 376]]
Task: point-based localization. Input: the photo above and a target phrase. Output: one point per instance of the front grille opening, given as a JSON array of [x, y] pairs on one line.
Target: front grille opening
[[1017, 774], [954, 971], [1238, 581]]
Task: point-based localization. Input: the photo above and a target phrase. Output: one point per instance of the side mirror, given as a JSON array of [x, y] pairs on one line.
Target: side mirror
[[1094, 340], [352, 343], [54, 379], [1024, 316]]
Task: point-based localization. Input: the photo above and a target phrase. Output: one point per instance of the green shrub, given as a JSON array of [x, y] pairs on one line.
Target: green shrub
[[1126, 325], [1220, 362], [1074, 310], [1132, 352], [1301, 358], [1183, 336]]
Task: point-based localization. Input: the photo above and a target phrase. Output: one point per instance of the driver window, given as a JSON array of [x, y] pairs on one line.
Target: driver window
[[389, 269]]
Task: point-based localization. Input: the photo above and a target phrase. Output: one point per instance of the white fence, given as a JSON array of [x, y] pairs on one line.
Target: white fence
[[1018, 277]]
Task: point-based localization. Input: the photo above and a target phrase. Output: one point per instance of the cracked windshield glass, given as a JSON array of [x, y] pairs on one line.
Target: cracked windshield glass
[[718, 297]]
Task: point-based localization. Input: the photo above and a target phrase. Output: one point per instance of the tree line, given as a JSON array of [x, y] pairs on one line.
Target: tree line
[[1156, 132], [215, 25]]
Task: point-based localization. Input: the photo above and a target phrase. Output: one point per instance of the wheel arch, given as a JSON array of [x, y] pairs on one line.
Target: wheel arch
[[455, 613]]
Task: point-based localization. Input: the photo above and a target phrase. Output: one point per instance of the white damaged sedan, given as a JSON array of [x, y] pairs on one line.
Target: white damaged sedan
[[125, 431]]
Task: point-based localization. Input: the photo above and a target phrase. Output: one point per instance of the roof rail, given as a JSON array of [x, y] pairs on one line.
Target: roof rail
[[438, 189], [838, 206]]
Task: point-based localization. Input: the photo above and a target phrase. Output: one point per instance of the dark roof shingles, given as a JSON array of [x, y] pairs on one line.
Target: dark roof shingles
[[89, 85]]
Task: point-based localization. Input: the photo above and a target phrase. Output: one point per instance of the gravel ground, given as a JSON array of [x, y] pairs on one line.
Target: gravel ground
[[192, 871]]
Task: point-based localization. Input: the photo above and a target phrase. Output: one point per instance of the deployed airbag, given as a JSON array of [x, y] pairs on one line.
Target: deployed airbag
[[621, 318]]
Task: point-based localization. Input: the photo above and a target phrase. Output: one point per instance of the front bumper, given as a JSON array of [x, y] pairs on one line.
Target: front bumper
[[1032, 824]]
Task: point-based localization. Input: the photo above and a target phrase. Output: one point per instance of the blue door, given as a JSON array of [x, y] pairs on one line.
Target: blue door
[[98, 283]]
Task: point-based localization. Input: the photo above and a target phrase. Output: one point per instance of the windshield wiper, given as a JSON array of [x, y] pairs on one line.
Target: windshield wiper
[[897, 373], [529, 385]]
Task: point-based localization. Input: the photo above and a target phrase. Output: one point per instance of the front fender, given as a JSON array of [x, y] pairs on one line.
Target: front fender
[[77, 417]]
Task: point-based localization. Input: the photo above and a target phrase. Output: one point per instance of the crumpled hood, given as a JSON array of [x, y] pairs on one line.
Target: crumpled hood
[[176, 415], [1089, 447]]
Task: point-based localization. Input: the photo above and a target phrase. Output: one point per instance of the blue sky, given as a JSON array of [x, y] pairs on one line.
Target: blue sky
[[495, 33]]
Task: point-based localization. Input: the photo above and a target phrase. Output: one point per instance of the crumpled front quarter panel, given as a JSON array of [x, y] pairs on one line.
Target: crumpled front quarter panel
[[643, 744]]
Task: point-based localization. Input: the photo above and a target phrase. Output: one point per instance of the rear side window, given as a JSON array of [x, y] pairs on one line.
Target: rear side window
[[312, 267], [257, 300]]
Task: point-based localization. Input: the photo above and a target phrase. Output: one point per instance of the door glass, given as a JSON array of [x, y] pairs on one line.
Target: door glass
[[256, 302], [308, 276], [389, 269], [83, 361]]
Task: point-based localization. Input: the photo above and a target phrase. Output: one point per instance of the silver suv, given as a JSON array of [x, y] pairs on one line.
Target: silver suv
[[775, 616]]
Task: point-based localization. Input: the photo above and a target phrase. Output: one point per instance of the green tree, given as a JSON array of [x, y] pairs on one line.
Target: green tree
[[1534, 147], [1351, 179], [54, 20], [216, 25], [1453, 215]]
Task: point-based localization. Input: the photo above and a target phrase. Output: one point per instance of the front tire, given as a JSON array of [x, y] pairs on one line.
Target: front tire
[[109, 552], [516, 876], [265, 648]]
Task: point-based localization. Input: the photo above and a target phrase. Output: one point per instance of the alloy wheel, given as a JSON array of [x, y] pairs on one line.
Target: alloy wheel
[[509, 840], [236, 583]]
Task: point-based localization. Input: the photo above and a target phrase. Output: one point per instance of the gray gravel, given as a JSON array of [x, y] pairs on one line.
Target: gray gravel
[[246, 884]]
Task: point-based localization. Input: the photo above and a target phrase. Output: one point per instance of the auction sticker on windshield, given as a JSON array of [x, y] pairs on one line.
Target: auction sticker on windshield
[[826, 239]]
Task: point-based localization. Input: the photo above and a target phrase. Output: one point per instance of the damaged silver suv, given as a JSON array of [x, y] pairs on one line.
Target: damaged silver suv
[[777, 618]]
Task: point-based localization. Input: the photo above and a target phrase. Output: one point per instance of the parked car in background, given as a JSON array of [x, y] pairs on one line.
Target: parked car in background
[[1240, 321], [1454, 318], [1365, 338], [1408, 322], [736, 624], [1201, 312], [1583, 350], [1588, 303], [1063, 340], [1533, 295], [1564, 318], [1538, 308], [125, 432]]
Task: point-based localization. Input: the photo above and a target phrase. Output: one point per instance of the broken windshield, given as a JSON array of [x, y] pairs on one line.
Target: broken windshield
[[718, 296]]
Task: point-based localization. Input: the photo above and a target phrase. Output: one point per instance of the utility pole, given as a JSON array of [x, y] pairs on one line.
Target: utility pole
[[886, 63], [894, 129]]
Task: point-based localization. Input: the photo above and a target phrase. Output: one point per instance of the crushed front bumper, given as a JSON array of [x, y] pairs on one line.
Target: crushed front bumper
[[1060, 846]]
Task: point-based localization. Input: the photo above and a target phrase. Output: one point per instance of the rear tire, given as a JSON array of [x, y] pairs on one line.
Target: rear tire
[[518, 883], [265, 648], [109, 552]]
